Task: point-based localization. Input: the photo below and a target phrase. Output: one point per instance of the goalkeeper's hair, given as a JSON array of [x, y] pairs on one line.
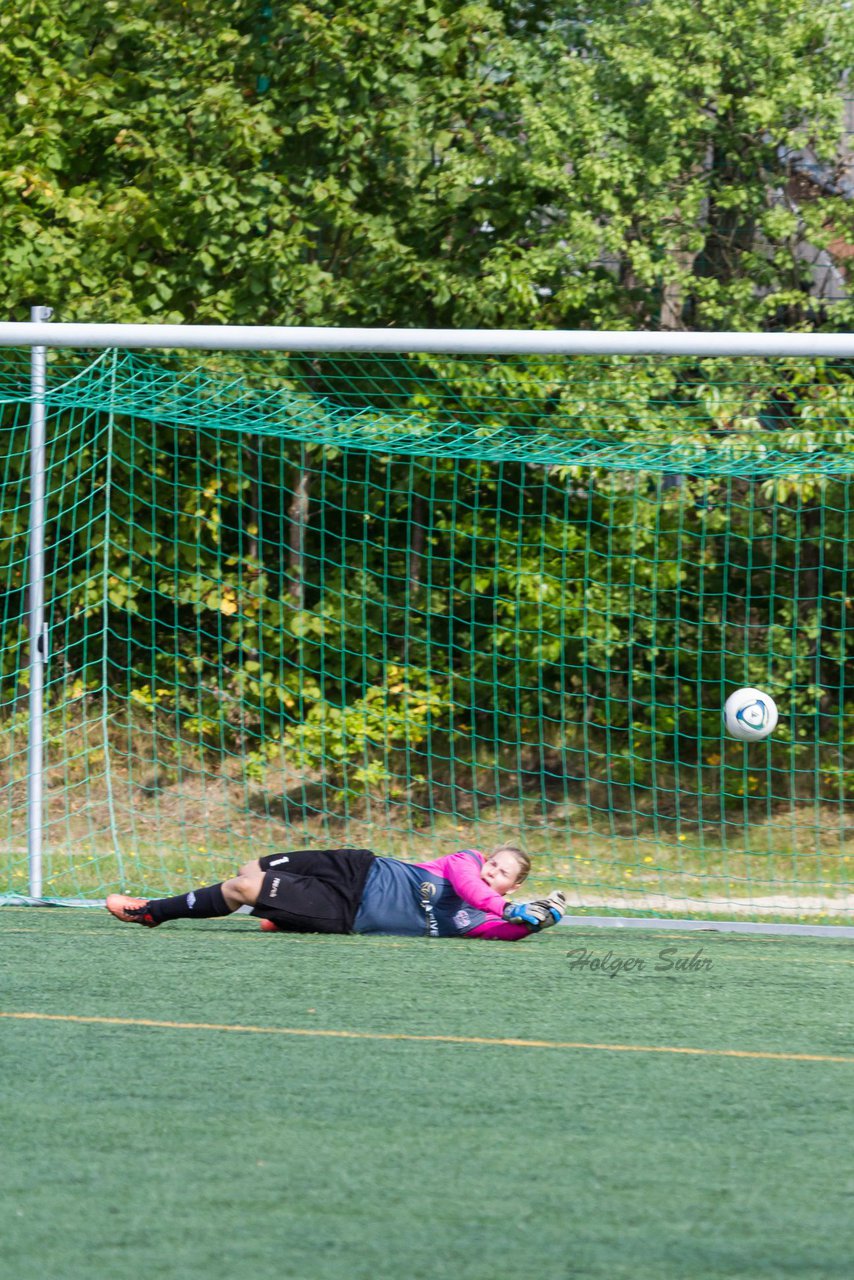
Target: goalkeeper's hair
[[521, 857]]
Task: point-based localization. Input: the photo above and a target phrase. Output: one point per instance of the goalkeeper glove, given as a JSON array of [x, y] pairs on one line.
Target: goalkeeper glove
[[537, 915]]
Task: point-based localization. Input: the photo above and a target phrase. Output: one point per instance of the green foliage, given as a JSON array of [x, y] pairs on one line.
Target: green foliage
[[708, 102], [422, 162], [418, 161], [356, 747], [577, 622]]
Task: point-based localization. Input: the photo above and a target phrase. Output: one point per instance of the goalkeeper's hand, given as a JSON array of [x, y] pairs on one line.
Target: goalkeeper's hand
[[537, 915]]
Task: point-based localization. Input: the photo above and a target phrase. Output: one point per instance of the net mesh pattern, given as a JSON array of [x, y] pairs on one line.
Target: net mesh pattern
[[416, 603]]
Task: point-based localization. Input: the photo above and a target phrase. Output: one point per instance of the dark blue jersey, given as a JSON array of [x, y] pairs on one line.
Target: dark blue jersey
[[403, 898]]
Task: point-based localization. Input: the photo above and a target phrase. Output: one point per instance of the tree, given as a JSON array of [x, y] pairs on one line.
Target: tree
[[709, 104], [422, 162], [416, 161]]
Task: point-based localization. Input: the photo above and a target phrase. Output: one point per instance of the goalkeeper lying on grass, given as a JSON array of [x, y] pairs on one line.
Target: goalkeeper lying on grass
[[461, 895]]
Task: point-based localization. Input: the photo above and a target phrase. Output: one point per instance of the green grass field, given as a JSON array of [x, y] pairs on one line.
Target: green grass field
[[204, 1100]]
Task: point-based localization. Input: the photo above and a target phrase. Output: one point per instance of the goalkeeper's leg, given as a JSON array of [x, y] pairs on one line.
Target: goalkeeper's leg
[[204, 903]]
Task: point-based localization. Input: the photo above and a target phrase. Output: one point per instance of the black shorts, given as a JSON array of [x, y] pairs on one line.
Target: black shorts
[[313, 890]]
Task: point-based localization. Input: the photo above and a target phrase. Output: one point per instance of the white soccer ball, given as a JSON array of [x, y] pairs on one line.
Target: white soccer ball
[[750, 714]]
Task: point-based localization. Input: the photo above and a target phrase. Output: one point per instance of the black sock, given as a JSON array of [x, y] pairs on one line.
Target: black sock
[[198, 904]]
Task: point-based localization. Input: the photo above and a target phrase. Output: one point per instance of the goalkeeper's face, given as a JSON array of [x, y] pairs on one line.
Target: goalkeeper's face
[[502, 872]]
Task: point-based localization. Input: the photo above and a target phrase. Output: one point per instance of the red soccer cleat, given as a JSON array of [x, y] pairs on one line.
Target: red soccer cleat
[[269, 926], [131, 910]]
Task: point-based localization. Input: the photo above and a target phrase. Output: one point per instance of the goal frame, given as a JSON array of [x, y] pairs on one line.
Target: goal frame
[[40, 334]]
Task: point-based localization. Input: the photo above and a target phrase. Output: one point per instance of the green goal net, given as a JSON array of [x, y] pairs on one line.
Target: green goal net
[[416, 603]]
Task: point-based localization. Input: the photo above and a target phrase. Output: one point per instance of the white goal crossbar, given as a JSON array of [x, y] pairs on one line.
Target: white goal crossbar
[[443, 341]]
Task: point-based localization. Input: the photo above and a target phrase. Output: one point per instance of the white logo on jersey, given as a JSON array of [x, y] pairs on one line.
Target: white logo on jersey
[[428, 891], [191, 899], [462, 919], [274, 887], [277, 862]]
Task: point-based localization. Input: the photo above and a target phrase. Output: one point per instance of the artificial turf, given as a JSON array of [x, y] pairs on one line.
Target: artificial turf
[[137, 1150]]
